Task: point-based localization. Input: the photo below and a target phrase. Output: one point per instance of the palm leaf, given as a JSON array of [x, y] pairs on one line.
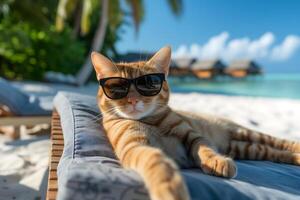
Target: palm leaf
[[115, 14], [65, 7], [176, 6], [86, 16], [137, 9]]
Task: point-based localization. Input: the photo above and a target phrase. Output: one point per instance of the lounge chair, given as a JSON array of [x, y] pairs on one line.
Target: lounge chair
[[83, 165], [79, 79], [18, 109]]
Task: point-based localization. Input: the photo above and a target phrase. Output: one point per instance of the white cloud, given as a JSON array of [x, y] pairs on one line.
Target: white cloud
[[215, 46], [182, 51], [245, 48], [220, 46], [286, 49]]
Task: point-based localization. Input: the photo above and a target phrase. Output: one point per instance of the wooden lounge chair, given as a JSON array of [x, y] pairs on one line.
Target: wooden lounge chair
[[14, 123], [18, 108], [56, 149]]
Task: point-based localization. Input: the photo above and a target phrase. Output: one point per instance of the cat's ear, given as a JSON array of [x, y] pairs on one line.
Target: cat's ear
[[161, 60], [101, 64]]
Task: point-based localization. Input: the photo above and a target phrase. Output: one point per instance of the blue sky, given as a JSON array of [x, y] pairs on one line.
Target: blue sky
[[268, 31]]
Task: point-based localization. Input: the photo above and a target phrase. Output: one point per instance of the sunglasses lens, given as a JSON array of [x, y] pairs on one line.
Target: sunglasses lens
[[149, 85], [116, 88]]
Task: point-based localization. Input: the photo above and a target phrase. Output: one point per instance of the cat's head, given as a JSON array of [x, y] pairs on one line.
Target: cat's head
[[134, 105]]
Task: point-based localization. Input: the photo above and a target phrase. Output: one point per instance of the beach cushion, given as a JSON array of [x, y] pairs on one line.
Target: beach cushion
[[57, 77], [20, 103], [89, 169]]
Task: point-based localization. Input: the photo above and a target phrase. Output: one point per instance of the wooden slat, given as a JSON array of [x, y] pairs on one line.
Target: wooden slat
[[56, 152], [56, 133], [53, 175], [52, 184], [58, 142], [55, 159], [57, 137], [51, 195], [53, 165], [57, 145], [26, 120]]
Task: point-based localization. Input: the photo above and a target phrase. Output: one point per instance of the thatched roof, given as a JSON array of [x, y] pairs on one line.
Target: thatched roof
[[244, 64], [184, 62], [208, 64]]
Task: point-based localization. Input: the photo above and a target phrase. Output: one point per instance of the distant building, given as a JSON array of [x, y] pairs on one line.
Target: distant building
[[206, 69], [202, 69], [134, 57], [242, 68], [181, 66]]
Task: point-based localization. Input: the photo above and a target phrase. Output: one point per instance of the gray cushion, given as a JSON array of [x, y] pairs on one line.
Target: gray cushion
[[57, 77], [89, 169], [20, 103], [88, 166]]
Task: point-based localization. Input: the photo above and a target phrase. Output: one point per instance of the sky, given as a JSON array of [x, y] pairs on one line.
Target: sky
[[267, 31]]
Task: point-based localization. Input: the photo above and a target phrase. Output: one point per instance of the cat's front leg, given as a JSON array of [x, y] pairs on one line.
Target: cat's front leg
[[206, 157], [161, 175]]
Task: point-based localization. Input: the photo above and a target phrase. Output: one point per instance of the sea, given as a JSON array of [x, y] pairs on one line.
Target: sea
[[267, 85]]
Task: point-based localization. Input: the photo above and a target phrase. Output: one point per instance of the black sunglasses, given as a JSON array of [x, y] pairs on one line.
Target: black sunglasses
[[146, 85]]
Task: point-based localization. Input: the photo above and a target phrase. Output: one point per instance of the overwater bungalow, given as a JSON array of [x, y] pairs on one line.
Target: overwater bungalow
[[181, 66], [243, 68], [206, 69]]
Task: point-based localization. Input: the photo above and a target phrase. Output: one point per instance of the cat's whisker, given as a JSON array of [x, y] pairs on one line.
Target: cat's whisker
[[109, 111], [100, 114]]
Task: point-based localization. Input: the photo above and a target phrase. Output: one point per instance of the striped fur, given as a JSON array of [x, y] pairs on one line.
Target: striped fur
[[158, 144]]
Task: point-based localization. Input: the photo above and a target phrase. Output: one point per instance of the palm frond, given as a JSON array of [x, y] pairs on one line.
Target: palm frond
[[137, 9], [86, 15], [115, 14], [65, 7], [176, 6]]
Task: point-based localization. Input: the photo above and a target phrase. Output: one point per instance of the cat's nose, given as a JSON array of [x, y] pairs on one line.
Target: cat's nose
[[132, 100]]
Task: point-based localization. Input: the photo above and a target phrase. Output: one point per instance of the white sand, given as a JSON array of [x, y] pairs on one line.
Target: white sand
[[23, 165], [277, 117]]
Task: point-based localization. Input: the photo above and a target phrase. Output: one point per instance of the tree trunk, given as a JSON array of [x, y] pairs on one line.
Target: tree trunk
[[97, 43], [78, 14]]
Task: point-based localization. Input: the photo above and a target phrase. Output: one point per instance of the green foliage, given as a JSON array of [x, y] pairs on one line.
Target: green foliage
[[27, 53], [30, 45], [84, 9]]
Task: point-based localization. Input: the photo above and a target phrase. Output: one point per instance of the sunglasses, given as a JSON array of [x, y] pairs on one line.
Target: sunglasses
[[118, 87]]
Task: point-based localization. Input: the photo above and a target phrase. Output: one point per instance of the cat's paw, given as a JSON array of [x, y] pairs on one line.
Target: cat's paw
[[175, 189], [219, 166]]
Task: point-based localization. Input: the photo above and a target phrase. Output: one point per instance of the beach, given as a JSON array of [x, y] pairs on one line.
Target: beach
[[23, 166]]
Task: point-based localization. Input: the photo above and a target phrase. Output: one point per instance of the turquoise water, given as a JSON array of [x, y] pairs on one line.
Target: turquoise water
[[268, 85]]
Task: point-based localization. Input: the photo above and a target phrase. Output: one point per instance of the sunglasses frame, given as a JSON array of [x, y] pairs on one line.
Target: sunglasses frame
[[132, 81]]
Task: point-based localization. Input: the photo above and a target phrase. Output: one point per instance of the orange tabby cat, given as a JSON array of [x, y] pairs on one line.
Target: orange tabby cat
[[155, 140]]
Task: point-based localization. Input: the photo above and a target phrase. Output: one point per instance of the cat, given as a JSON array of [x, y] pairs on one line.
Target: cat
[[156, 141]]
